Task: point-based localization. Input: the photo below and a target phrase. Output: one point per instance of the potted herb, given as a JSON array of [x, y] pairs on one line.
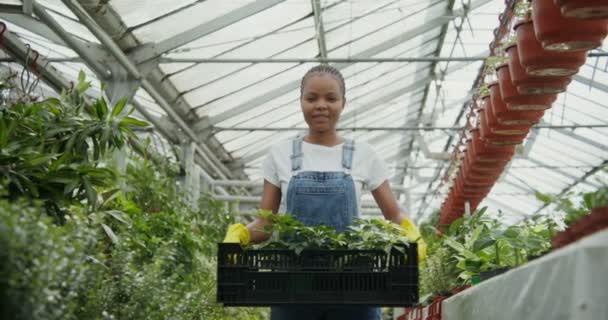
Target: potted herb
[[583, 9], [559, 33]]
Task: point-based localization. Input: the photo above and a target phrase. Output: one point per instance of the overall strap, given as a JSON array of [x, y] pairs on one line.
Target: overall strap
[[296, 153], [347, 154]]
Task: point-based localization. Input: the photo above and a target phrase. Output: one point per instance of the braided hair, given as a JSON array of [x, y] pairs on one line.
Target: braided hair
[[324, 68]]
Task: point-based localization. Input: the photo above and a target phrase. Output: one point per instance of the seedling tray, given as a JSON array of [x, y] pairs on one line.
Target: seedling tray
[[270, 277]]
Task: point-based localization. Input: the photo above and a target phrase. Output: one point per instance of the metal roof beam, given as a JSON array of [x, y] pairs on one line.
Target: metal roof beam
[[410, 34], [578, 180], [108, 20], [32, 25], [319, 29], [16, 48], [590, 82], [202, 30]]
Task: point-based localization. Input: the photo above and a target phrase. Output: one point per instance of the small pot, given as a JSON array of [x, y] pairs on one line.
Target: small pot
[[491, 130], [558, 33], [540, 62], [484, 152], [515, 118], [527, 84], [583, 9]]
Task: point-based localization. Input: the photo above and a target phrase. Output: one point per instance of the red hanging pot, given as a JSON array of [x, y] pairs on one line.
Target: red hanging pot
[[459, 184], [508, 117], [484, 167], [527, 84], [558, 33], [466, 179], [478, 179], [484, 152], [540, 62], [583, 9], [494, 133], [471, 174]]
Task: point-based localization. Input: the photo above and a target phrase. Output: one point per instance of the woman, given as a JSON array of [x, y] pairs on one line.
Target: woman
[[321, 176]]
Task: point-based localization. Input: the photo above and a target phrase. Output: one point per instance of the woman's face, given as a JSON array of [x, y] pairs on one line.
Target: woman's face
[[322, 102]]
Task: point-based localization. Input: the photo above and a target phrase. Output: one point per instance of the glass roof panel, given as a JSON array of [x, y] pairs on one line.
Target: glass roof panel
[[181, 21], [136, 12]]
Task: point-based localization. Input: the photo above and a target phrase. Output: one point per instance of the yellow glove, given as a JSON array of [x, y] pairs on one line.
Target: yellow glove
[[412, 233], [237, 233]]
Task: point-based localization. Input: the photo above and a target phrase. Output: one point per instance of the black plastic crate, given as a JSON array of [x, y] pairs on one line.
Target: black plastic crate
[[328, 277]]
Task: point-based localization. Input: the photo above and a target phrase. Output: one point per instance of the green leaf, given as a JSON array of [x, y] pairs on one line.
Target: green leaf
[[119, 106], [108, 231], [545, 198], [91, 193], [40, 159], [483, 243], [134, 122]]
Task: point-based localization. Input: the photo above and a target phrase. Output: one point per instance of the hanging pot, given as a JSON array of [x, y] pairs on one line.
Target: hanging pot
[[527, 84], [558, 33], [494, 133], [540, 62], [481, 165], [484, 152], [477, 179], [474, 175], [508, 117], [485, 166], [583, 9]]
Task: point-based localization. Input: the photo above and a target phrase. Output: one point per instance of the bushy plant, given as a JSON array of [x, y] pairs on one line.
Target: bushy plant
[[47, 270], [101, 252]]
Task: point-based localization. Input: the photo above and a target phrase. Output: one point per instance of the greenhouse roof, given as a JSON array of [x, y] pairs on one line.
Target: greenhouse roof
[[225, 74]]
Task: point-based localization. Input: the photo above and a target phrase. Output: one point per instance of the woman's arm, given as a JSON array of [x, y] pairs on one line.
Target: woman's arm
[[271, 199], [388, 204]]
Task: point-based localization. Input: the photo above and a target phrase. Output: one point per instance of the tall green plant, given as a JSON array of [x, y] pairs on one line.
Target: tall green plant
[[52, 150]]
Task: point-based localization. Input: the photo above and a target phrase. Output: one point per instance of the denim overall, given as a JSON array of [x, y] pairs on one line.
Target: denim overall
[[327, 198]]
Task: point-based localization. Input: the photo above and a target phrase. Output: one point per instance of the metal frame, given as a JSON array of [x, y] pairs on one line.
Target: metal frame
[[151, 83], [319, 28], [157, 49], [430, 25]]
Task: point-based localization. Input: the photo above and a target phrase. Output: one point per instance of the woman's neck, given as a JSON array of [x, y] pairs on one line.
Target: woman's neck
[[328, 139]]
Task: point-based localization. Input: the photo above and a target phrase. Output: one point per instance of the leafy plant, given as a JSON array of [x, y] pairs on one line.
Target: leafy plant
[[523, 9], [576, 210], [52, 150], [438, 274], [140, 252], [374, 234], [483, 90]]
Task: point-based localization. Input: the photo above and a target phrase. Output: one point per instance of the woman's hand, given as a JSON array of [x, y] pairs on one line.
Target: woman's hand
[[390, 209]]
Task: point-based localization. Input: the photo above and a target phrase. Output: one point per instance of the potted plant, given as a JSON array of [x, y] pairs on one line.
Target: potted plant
[[517, 118], [582, 219], [490, 128], [528, 98], [559, 33], [583, 9], [487, 153], [540, 62]]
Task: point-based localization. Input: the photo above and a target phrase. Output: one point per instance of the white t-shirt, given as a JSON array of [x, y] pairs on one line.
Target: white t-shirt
[[368, 169]]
